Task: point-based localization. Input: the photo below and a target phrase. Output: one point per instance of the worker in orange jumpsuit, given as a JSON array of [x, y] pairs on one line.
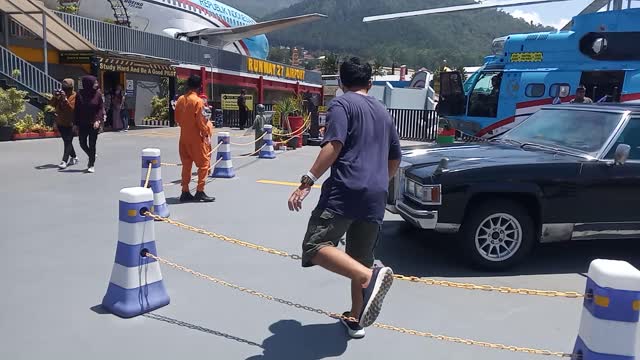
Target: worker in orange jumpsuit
[[195, 140]]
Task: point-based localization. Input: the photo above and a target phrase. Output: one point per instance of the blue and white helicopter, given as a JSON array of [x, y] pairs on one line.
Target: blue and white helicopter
[[597, 49]]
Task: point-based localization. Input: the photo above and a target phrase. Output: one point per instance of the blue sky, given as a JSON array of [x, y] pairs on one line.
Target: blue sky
[[552, 14]]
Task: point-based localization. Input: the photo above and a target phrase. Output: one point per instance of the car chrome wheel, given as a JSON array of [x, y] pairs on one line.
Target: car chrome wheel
[[498, 237]]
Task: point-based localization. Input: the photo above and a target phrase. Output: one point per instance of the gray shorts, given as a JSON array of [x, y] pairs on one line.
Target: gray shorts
[[326, 228]]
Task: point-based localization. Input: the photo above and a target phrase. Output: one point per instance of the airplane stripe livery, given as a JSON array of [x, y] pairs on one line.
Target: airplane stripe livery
[[208, 22]]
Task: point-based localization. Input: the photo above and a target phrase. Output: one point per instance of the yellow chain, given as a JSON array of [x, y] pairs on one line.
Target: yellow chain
[[222, 237], [340, 316], [415, 279], [500, 289], [146, 182], [249, 143]]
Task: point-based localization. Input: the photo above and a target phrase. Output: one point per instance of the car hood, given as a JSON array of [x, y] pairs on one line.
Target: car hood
[[424, 160]]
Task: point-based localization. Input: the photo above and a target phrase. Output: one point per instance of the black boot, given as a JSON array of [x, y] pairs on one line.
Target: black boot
[[201, 196], [186, 196]]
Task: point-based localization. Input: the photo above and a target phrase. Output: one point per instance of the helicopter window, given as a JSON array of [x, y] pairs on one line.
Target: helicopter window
[[559, 90], [483, 99], [534, 90], [611, 45]]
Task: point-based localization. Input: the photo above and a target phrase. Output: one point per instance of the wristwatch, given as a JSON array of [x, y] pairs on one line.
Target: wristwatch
[[306, 180]]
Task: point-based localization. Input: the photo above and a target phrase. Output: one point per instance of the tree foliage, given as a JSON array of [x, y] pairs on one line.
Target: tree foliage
[[462, 38], [329, 65]]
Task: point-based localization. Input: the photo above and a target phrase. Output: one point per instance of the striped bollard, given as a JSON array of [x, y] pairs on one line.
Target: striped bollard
[[152, 156], [136, 285], [609, 323], [224, 168], [267, 152]]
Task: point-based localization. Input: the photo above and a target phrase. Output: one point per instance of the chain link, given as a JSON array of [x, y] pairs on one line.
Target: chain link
[[340, 316], [500, 289], [222, 237], [415, 279], [249, 143]]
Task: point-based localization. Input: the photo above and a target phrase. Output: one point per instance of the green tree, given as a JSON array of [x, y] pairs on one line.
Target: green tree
[[329, 65], [377, 68]]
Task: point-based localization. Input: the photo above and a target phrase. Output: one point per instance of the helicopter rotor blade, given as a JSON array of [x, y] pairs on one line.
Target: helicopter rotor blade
[[449, 9], [594, 6]]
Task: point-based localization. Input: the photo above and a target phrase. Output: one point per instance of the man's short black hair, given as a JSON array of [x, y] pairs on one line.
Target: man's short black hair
[[194, 82], [353, 74]]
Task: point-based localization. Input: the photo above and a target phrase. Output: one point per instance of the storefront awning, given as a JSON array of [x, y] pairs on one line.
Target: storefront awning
[[137, 65], [29, 13]]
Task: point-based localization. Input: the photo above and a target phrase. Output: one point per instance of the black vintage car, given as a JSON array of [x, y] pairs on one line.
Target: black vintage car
[[568, 172]]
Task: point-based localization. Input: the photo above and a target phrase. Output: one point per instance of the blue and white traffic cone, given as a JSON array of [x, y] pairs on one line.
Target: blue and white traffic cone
[[136, 285], [267, 151], [224, 167], [152, 156], [609, 322]]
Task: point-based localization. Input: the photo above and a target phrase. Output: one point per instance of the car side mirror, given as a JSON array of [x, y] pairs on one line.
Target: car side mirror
[[622, 154]]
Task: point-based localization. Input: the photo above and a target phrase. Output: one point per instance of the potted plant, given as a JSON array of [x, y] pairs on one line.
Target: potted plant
[[12, 103]]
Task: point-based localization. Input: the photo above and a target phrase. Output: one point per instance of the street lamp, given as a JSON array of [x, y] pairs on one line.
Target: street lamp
[[208, 57]]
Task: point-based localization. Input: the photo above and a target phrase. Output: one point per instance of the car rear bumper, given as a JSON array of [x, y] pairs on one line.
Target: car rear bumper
[[423, 219]]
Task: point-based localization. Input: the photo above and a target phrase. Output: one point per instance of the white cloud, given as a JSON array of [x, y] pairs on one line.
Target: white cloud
[[535, 17]]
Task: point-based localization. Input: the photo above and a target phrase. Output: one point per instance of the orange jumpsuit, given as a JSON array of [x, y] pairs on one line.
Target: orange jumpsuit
[[194, 132]]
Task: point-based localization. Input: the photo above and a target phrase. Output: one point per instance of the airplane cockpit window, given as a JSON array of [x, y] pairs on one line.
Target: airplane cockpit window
[[559, 90], [483, 100]]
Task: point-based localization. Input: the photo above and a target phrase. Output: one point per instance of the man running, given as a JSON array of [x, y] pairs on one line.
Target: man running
[[195, 135], [362, 148]]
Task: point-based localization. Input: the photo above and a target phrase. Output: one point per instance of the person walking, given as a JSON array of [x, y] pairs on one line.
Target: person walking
[[362, 148], [89, 117], [243, 110], [64, 101], [195, 140]]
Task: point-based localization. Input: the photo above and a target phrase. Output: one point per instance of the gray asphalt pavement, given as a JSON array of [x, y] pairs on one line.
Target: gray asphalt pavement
[[60, 232]]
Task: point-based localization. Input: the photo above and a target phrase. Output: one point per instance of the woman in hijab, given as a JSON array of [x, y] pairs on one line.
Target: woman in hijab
[[89, 116]]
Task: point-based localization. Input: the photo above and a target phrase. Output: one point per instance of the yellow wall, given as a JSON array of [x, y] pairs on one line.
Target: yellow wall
[[35, 55]]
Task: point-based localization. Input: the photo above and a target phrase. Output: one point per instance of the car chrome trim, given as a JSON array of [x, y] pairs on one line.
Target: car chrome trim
[[447, 228], [423, 219], [614, 136], [556, 232], [439, 186], [606, 230]]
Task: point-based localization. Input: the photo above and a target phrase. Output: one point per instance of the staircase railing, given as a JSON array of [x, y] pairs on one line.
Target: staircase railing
[[30, 77], [120, 12]]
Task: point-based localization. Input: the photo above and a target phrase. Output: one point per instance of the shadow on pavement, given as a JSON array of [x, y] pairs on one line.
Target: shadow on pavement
[[291, 340], [199, 328], [411, 251], [46, 166]]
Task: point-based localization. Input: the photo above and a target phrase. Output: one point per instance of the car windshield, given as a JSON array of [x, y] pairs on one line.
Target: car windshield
[[579, 130]]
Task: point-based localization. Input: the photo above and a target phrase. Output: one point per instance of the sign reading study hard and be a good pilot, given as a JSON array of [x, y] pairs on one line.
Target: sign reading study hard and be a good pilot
[[272, 69]]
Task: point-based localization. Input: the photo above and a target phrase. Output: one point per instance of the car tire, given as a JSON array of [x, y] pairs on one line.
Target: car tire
[[493, 230]]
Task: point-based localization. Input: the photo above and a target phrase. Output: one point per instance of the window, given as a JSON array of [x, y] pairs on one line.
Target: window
[[579, 130], [534, 90], [559, 90], [630, 136], [483, 99]]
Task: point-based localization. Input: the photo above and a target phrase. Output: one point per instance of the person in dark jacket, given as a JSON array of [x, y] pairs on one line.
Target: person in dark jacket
[[89, 116], [64, 100]]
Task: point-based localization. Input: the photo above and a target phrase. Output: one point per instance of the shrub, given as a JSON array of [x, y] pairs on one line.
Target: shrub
[[12, 104], [159, 109]]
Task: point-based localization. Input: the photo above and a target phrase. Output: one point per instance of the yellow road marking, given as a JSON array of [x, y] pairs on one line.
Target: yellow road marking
[[285, 183]]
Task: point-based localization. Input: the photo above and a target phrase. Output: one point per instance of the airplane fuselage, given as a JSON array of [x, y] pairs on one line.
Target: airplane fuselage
[[169, 17]]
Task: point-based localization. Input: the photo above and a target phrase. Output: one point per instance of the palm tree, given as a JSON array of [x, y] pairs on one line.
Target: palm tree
[[377, 68], [329, 65]]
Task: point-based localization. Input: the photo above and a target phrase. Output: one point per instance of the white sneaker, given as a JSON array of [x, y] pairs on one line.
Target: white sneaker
[[73, 161], [91, 170], [62, 166]]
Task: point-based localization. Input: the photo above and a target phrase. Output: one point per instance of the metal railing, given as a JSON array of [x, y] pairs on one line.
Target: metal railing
[[112, 37], [29, 77], [419, 125]]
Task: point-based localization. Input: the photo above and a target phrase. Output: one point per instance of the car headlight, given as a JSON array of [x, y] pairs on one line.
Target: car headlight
[[424, 194]]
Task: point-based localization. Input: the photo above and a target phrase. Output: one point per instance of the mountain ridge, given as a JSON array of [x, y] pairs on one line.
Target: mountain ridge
[[463, 38]]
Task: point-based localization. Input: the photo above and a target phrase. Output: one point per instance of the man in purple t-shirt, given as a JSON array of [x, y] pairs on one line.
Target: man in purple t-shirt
[[362, 148]]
